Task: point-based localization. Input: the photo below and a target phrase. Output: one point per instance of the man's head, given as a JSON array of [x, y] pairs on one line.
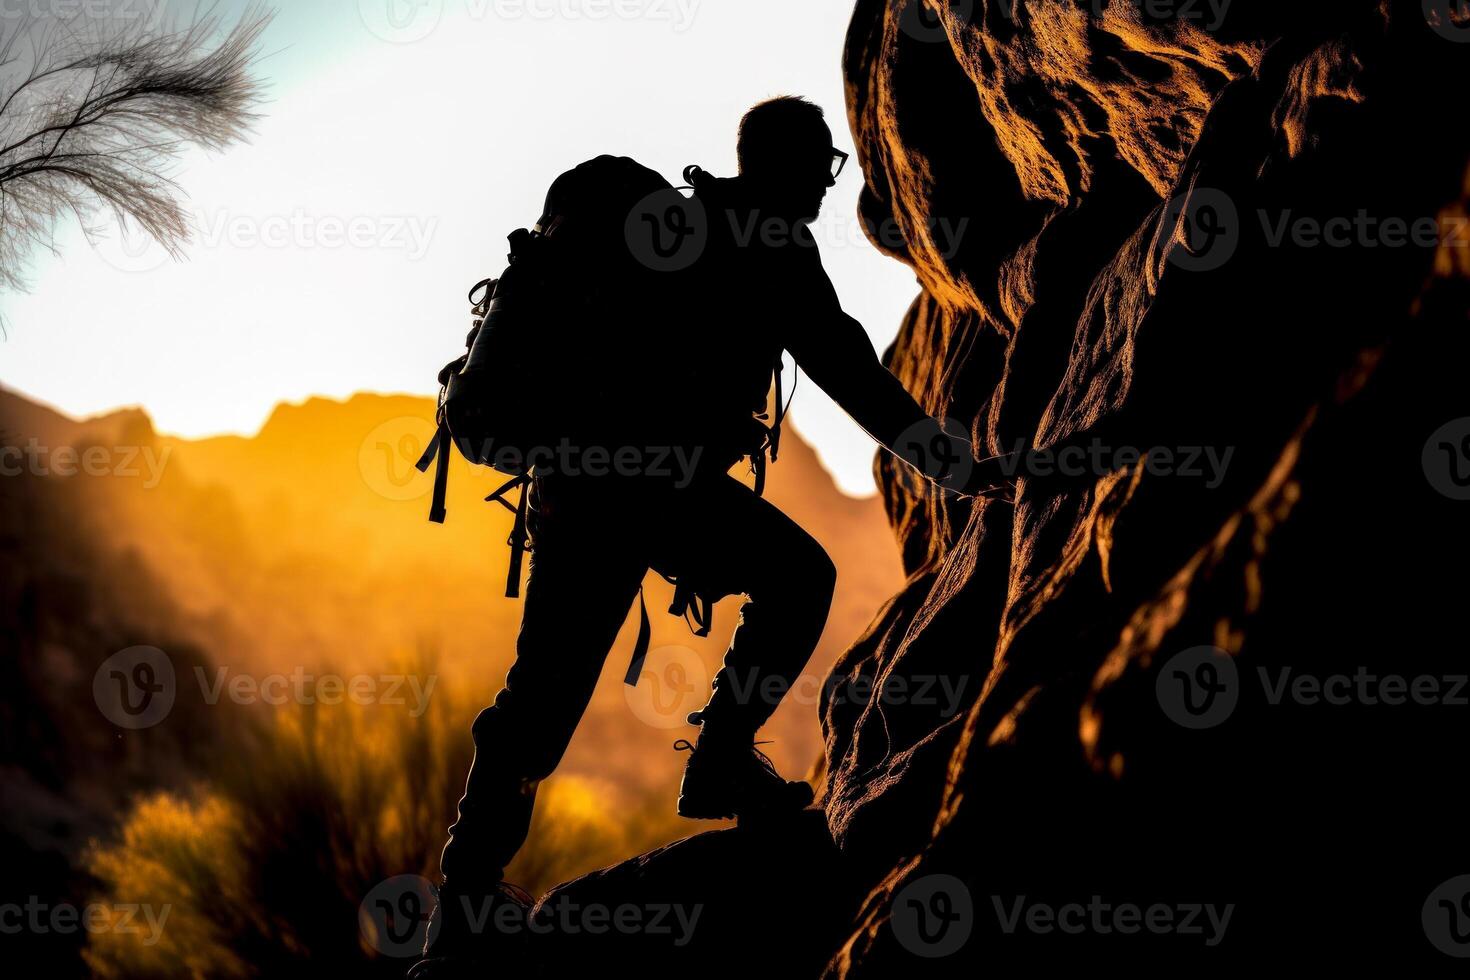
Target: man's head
[[786, 155]]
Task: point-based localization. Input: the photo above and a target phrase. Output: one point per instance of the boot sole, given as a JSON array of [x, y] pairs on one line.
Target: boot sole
[[690, 813], [797, 803]]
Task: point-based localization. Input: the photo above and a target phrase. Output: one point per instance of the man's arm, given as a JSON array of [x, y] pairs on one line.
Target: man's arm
[[836, 352], [840, 358]]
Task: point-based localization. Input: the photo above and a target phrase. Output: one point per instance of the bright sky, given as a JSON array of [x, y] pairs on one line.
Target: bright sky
[[402, 141]]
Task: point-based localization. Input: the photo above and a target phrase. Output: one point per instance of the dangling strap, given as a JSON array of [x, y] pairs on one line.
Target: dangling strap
[[438, 447], [640, 648], [518, 535], [689, 603], [773, 433], [775, 437], [704, 614]]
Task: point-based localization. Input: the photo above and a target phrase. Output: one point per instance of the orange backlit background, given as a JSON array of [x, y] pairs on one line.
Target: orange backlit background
[[305, 552]]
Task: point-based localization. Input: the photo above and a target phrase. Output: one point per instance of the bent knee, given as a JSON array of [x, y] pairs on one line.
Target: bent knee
[[824, 570], [808, 568]]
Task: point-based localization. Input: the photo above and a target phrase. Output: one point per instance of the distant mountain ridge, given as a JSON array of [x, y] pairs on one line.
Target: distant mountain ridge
[[308, 543]]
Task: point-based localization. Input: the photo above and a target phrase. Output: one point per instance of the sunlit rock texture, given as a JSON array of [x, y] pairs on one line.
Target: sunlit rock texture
[[1137, 273]]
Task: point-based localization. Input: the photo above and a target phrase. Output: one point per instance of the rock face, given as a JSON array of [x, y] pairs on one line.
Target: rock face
[[769, 900], [1185, 240], [1203, 266]]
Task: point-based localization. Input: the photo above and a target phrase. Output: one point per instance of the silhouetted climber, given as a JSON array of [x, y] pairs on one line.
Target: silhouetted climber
[[755, 288]]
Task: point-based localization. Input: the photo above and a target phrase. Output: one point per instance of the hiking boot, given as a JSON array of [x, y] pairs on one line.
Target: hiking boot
[[473, 932], [725, 779]]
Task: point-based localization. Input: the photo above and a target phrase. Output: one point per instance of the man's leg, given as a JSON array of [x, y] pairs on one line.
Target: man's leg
[[584, 576], [728, 541]]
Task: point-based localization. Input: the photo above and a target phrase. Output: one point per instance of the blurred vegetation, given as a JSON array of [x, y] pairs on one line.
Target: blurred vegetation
[[264, 866]]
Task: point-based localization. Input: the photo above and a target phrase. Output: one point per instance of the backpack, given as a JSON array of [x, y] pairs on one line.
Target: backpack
[[582, 254]]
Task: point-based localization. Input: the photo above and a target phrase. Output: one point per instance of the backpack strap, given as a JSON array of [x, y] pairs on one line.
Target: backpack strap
[[640, 648], [687, 603], [438, 448], [758, 467], [519, 538]]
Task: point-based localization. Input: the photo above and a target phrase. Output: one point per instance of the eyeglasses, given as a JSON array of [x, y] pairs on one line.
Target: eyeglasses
[[839, 160]]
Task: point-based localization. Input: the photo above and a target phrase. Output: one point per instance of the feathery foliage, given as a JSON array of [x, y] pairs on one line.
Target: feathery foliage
[[95, 112]]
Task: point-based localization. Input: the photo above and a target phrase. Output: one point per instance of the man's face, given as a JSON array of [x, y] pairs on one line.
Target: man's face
[[796, 188], [811, 173]]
